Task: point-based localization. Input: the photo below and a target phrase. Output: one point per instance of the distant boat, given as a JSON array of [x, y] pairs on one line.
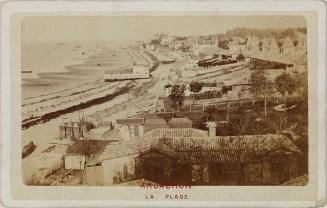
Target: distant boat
[[29, 74], [167, 61], [28, 149]]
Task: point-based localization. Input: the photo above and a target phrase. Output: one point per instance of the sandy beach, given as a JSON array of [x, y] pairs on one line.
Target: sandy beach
[[141, 95], [43, 110], [61, 66]]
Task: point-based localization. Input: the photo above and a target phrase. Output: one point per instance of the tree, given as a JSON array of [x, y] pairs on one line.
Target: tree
[[302, 85], [240, 125], [177, 96], [286, 85], [260, 88], [196, 86], [210, 110]]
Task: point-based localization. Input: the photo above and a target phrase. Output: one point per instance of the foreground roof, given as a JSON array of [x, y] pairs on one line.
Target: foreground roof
[[219, 149]]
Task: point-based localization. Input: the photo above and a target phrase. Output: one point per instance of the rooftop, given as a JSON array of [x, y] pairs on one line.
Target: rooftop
[[87, 147], [155, 120], [179, 120], [175, 133], [130, 121], [288, 43], [220, 149]]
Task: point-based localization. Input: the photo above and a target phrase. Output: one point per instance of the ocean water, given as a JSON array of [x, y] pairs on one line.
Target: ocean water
[[59, 66]]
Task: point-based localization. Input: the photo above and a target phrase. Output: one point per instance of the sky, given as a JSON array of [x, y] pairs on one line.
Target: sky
[[132, 28]]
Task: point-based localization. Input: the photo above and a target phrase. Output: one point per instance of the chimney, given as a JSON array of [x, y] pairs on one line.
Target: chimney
[[212, 128]]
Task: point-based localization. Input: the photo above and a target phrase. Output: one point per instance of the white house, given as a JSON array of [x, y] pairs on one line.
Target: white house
[[288, 48], [74, 162], [136, 72]]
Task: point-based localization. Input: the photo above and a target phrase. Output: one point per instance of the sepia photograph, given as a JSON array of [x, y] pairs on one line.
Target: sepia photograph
[[219, 100]]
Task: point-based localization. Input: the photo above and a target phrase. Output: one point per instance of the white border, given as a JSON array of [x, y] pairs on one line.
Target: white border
[[9, 8]]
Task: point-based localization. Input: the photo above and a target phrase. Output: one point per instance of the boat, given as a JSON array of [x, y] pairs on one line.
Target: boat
[[167, 61], [28, 149], [26, 71]]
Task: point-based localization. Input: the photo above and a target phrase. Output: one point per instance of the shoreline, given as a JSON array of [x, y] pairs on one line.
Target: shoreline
[[69, 104], [125, 103], [55, 114]]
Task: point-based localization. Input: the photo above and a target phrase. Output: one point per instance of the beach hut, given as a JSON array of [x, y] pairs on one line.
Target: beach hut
[[76, 131], [69, 130]]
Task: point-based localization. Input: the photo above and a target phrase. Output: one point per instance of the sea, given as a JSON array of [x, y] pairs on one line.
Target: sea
[[55, 66]]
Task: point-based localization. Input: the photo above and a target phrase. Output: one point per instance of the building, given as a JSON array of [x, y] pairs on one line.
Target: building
[[265, 45], [301, 64], [191, 64], [236, 46], [81, 151], [101, 132], [154, 122], [74, 130], [302, 44], [175, 133], [240, 57], [100, 123], [252, 45], [204, 43], [135, 72], [131, 127], [225, 160], [273, 47], [164, 104], [288, 49], [180, 123]]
